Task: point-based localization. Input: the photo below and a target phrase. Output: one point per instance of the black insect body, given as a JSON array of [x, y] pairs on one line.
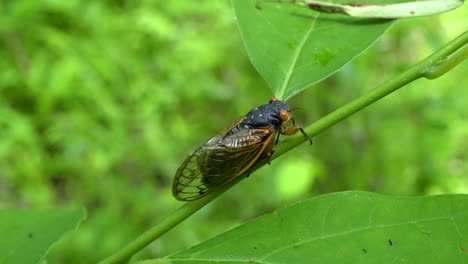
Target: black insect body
[[235, 150]]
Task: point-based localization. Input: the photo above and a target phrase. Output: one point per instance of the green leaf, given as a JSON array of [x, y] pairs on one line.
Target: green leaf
[[346, 227], [293, 47], [27, 235]]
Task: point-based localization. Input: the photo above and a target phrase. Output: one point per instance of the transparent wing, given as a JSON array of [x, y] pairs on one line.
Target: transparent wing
[[219, 161]]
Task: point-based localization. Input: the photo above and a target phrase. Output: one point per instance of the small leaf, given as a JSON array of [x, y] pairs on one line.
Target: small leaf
[[400, 10], [293, 47], [346, 227], [27, 235]]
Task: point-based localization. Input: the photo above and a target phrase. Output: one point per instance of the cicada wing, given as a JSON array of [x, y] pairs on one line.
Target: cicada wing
[[219, 161], [188, 183]]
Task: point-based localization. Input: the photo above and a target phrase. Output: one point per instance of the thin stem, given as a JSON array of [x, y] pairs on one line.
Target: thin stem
[[444, 59], [447, 63]]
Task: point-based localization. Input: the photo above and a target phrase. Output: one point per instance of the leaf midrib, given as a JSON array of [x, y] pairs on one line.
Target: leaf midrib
[[295, 57]]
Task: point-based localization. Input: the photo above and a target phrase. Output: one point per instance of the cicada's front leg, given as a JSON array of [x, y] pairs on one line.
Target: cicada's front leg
[[286, 129]]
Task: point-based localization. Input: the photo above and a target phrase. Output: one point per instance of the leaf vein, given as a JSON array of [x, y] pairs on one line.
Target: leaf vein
[[295, 57]]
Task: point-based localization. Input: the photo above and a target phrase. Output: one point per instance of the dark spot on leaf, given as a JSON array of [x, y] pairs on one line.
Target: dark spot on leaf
[[390, 242], [364, 250], [30, 235], [426, 233], [292, 45], [258, 7], [255, 248], [463, 250], [412, 12]]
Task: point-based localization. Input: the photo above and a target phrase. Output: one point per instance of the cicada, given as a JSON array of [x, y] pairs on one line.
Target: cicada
[[234, 151]]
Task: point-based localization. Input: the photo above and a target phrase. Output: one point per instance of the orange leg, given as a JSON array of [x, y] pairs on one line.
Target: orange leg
[[293, 129], [290, 130]]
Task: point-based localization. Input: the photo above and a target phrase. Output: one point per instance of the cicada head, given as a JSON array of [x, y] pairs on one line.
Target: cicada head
[[279, 112]]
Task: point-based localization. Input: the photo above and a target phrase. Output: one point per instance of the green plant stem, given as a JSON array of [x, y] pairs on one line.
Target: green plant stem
[[446, 64], [433, 66]]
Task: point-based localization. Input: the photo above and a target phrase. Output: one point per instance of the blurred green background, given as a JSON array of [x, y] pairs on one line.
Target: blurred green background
[[100, 101]]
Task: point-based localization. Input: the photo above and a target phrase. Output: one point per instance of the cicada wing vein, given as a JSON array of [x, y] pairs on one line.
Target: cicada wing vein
[[219, 161]]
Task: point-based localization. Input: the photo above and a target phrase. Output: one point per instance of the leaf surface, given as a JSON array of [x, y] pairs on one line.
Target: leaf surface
[[27, 235], [293, 47], [345, 227]]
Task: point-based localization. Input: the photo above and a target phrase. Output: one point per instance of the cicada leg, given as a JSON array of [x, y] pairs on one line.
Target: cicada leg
[[269, 152], [285, 130]]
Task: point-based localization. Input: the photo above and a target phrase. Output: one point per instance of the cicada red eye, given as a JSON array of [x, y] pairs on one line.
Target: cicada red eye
[[284, 115]]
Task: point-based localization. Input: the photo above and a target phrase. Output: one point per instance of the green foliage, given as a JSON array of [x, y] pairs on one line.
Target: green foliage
[[100, 101], [293, 47], [377, 229], [26, 235]]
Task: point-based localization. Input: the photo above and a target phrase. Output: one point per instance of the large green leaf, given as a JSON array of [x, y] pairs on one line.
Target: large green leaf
[[27, 235], [293, 47], [347, 227]]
